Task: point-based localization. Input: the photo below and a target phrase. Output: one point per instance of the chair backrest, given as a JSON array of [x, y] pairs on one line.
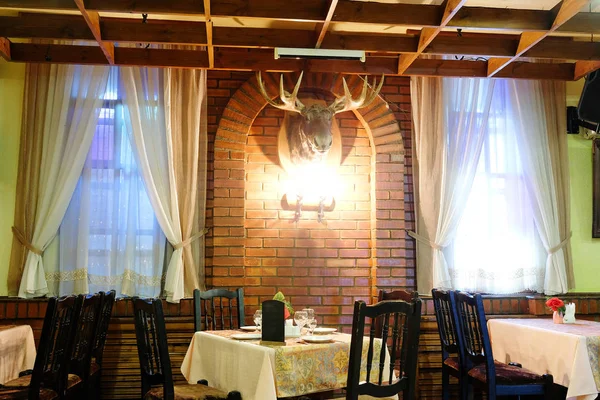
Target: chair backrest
[[103, 323], [409, 297], [401, 325], [444, 304], [51, 367], [473, 333], [216, 307], [85, 336], [153, 353]]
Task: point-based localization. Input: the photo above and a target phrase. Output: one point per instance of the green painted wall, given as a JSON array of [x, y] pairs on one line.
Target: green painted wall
[[586, 251], [12, 80]]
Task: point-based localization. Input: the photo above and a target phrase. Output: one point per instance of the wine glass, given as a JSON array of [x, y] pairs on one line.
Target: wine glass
[[301, 319], [258, 319], [310, 319]]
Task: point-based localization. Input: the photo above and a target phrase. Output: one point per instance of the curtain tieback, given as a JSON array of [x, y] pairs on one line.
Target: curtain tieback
[[425, 241], [560, 245], [25, 243], [191, 239]]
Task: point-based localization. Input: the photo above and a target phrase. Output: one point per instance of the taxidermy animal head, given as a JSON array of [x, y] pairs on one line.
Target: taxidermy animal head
[[311, 138]]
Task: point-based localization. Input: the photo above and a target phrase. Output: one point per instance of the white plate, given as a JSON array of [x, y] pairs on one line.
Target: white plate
[[319, 331], [317, 339], [249, 328], [246, 336]]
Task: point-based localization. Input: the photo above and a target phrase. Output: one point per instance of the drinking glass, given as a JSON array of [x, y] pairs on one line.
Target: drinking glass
[[301, 319], [258, 319], [311, 321]]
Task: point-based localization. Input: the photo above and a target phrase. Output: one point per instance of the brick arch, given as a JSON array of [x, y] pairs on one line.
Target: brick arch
[[387, 239]]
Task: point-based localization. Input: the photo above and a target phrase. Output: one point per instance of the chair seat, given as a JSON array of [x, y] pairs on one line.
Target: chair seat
[[453, 363], [23, 381], [21, 393], [188, 392], [507, 375]]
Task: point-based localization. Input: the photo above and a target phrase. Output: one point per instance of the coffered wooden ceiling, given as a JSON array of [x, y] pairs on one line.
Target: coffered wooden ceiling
[[537, 39]]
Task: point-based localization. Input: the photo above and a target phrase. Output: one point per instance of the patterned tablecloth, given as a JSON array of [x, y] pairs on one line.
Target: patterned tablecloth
[[262, 372], [17, 351], [570, 352]]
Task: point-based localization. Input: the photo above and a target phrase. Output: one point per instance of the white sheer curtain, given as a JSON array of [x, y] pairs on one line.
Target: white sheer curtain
[[74, 99], [109, 238], [497, 248], [148, 96], [458, 140], [536, 126]]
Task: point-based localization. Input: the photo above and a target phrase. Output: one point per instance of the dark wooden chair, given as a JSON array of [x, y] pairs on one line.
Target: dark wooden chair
[[216, 307], [409, 297], [444, 303], [155, 362], [494, 377], [401, 324], [50, 378], [85, 338], [94, 387]]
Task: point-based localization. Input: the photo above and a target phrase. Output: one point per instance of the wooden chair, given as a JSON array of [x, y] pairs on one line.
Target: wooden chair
[[216, 305], [50, 378], [401, 323], [85, 338], [494, 377], [155, 363], [444, 303], [94, 387], [403, 295]]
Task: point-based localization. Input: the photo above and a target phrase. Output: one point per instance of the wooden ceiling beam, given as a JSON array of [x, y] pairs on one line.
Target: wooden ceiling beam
[[450, 8], [262, 38], [253, 60], [414, 15], [582, 68], [67, 54], [39, 4], [562, 12], [209, 34], [325, 25], [92, 18], [74, 27], [189, 7], [5, 48]]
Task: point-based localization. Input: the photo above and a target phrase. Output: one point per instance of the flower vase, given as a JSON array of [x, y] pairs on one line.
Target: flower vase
[[557, 317]]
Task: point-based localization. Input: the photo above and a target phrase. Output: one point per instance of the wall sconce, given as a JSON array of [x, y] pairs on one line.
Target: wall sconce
[[299, 203], [310, 187]]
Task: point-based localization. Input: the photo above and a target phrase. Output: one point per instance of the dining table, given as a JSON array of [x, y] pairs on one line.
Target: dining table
[[570, 352], [268, 371], [17, 351]]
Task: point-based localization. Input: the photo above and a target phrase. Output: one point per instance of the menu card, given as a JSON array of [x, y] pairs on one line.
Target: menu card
[[273, 322]]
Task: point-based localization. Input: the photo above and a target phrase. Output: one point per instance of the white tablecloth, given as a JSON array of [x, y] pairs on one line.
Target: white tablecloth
[[17, 351], [250, 368], [558, 349]]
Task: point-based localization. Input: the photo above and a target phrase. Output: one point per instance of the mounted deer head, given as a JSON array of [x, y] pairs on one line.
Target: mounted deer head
[[313, 138]]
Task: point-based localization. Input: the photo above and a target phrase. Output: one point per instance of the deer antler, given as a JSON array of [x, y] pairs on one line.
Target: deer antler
[[346, 102], [290, 102]]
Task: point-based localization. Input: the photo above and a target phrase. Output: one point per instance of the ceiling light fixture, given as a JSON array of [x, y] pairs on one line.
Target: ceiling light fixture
[[324, 54]]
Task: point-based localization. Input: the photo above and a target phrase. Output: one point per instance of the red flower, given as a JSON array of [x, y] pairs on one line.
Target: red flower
[[555, 304], [286, 313]]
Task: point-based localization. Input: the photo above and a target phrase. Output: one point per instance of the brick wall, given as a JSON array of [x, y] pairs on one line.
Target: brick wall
[[254, 243]]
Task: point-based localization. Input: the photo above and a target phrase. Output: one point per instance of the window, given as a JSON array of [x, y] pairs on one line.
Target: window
[[497, 248], [109, 238]]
